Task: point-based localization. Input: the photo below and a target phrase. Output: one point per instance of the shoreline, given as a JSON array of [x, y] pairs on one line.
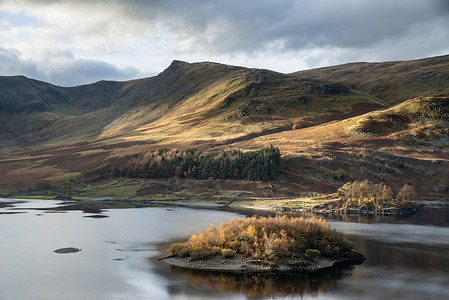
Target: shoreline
[[248, 265], [327, 210], [320, 207]]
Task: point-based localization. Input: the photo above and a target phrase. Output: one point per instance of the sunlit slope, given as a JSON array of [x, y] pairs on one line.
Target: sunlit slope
[[406, 143], [208, 101], [412, 123], [228, 103], [186, 101]]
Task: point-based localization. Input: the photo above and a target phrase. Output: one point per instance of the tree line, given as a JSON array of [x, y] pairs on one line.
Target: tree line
[[260, 165]]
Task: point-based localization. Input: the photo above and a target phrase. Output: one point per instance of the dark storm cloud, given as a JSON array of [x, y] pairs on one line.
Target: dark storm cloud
[[231, 25], [284, 35], [221, 26]]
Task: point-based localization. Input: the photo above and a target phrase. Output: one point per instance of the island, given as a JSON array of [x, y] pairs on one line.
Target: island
[[264, 245]]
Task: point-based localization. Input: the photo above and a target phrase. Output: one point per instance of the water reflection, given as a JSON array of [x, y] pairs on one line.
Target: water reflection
[[397, 233], [417, 256], [407, 258], [264, 285]]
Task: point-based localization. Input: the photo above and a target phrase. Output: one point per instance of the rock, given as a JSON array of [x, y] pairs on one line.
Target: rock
[[67, 250], [251, 107]]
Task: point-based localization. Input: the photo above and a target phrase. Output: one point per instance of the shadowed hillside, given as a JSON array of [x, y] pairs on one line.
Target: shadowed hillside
[[392, 82], [386, 122]]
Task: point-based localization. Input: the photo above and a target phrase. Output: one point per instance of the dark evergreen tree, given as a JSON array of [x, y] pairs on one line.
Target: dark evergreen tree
[[164, 163]]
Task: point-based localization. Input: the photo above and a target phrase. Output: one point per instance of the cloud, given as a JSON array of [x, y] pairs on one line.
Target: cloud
[[223, 26], [66, 70], [85, 71], [57, 38], [11, 64]]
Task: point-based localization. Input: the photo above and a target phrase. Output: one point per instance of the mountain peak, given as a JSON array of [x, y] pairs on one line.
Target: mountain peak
[[177, 64]]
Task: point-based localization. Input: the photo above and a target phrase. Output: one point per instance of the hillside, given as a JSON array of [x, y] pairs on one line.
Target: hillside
[[392, 82], [379, 121]]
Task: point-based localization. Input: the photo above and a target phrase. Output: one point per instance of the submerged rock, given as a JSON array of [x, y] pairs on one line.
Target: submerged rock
[[67, 250]]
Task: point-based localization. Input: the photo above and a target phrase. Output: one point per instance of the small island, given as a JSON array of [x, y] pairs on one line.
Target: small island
[[265, 244]]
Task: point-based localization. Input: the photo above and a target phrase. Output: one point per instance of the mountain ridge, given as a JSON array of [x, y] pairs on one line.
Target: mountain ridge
[[393, 81], [321, 119]]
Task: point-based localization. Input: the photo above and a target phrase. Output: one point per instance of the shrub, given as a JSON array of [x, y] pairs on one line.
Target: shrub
[[312, 253], [199, 253], [347, 245], [179, 249], [324, 247], [300, 244], [337, 251], [228, 253], [406, 194]]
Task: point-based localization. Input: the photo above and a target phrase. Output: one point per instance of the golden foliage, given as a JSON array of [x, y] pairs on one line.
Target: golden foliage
[[228, 253], [365, 193], [265, 237]]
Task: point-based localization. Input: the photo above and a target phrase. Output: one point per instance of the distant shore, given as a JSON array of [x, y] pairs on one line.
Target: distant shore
[[322, 205], [329, 209]]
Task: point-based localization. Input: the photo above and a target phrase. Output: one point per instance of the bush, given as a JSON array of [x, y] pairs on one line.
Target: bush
[[347, 245], [312, 253], [179, 249], [216, 250], [337, 251], [228, 253], [198, 254], [406, 194]]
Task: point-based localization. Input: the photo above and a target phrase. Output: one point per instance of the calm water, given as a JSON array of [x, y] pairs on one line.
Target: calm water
[[407, 258]]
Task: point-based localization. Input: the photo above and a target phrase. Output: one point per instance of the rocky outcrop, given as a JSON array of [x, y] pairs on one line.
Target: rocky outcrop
[[67, 250], [247, 264]]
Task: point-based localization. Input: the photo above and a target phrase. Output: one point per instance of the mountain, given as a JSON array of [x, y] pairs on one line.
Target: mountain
[[378, 121], [36, 112], [393, 82]]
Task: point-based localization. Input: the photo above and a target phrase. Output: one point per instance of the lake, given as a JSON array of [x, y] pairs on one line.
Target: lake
[[407, 258]]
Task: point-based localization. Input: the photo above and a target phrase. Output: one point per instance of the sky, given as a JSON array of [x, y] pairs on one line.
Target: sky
[[74, 42]]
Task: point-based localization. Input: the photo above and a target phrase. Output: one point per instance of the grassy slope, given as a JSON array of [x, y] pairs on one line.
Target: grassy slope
[[392, 82], [320, 119], [410, 149]]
